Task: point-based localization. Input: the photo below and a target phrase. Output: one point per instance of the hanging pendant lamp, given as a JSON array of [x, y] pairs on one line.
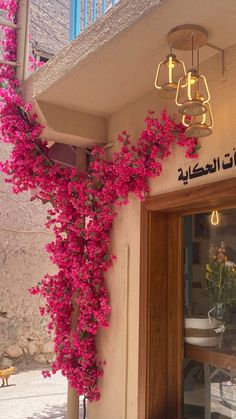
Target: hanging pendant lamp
[[167, 75], [195, 89], [199, 125], [192, 94], [197, 108]]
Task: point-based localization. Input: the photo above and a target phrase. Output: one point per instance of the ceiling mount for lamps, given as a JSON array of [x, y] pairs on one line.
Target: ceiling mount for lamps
[[181, 36]]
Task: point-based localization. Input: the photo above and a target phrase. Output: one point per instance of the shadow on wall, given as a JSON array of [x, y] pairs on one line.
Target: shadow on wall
[[51, 412]]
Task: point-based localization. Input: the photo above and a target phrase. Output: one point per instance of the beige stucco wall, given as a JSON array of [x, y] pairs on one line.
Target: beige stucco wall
[[126, 231]]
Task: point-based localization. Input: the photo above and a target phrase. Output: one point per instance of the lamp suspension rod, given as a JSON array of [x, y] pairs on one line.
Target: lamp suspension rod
[[222, 56], [198, 66], [192, 46]]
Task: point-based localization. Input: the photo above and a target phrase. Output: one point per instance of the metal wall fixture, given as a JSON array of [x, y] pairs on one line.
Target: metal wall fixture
[[190, 88]]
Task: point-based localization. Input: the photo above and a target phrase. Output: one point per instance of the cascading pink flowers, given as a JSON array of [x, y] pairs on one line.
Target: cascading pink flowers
[[81, 216]]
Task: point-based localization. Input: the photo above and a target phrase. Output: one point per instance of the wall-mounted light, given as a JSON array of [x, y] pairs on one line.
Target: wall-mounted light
[[215, 218]]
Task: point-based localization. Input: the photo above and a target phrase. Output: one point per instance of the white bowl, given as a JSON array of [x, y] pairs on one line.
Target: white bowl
[[209, 342]]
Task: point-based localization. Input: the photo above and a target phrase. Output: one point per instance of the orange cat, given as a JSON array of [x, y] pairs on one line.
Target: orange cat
[[5, 374]]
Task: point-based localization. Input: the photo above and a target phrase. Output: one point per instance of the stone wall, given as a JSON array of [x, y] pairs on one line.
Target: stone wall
[[23, 261], [49, 24], [23, 333]]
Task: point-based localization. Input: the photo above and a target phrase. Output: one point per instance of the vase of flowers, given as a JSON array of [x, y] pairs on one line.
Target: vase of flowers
[[221, 281], [221, 284]]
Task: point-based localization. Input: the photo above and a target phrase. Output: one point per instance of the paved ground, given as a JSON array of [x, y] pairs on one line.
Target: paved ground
[[30, 396]]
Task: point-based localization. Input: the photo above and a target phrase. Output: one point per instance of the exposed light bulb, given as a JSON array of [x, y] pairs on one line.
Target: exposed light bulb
[[171, 63], [192, 79], [215, 218]]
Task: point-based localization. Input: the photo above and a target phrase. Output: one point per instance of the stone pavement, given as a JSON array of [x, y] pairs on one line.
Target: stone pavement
[[30, 396]]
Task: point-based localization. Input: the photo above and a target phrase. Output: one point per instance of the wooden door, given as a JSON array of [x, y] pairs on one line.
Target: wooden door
[[161, 350]]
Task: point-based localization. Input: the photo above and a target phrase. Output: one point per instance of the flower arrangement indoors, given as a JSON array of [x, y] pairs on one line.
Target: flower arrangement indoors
[[221, 280]]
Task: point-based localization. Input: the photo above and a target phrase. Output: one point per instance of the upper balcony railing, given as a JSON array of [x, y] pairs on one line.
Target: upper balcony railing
[[85, 12]]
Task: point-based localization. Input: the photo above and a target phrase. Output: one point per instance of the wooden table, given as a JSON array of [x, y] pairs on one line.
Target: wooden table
[[222, 360], [225, 359]]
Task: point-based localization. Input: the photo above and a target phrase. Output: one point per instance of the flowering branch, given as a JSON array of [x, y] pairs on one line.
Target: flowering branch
[[81, 216]]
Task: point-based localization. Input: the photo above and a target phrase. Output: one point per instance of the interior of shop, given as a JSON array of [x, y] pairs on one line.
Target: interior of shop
[[210, 315]]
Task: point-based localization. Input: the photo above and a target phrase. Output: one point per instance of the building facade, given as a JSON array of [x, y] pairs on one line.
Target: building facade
[[101, 84]]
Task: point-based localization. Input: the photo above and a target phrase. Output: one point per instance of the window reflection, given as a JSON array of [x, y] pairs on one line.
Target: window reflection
[[210, 315]]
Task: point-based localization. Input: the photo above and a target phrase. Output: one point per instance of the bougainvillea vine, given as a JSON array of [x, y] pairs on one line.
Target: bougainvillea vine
[[81, 215]]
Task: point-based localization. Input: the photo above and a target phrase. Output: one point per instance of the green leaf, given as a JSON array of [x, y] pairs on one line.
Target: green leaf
[[84, 335]]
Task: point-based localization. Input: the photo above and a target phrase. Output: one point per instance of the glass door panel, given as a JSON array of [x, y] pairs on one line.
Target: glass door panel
[[210, 315]]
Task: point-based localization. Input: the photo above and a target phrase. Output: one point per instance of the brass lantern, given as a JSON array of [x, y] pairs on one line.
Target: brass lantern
[[199, 125], [192, 94], [167, 75], [191, 88]]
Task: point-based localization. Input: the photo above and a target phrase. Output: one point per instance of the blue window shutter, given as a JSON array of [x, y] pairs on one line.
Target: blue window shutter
[[103, 7], [75, 16], [94, 10], [85, 14]]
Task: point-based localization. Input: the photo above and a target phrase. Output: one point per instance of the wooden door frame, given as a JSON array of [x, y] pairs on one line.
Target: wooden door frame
[[161, 349]]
